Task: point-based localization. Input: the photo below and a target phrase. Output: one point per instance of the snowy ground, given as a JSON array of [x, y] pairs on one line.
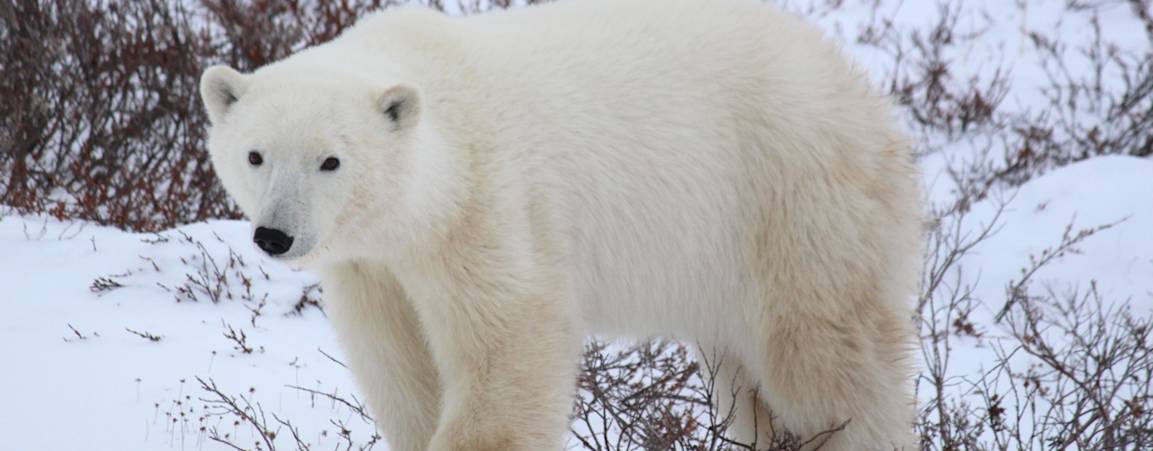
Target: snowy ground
[[84, 381], [76, 376], [100, 386]]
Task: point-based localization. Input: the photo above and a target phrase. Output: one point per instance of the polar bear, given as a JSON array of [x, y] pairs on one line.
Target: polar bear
[[478, 194]]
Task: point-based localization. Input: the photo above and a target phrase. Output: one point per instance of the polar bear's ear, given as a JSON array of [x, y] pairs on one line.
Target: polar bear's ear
[[400, 104], [220, 87]]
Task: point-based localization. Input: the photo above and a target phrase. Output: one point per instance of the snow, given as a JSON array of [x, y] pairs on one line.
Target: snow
[[1119, 260], [1095, 192], [114, 390]]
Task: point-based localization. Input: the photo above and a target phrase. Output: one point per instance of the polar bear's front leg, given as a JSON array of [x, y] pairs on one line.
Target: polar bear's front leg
[[507, 356], [385, 349]]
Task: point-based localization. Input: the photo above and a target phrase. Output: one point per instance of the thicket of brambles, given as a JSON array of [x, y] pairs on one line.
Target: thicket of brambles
[[100, 120]]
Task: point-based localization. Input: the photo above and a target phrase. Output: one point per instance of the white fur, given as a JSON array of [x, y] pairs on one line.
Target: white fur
[[706, 170]]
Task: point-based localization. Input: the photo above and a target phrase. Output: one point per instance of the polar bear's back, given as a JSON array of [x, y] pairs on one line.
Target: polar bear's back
[[697, 152]]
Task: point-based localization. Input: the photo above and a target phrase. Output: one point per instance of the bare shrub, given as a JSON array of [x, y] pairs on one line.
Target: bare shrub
[[646, 396], [101, 118], [1099, 95], [655, 395], [1070, 369], [221, 407], [1097, 99]]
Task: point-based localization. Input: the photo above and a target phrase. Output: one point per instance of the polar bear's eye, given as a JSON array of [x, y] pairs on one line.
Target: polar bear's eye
[[330, 164], [255, 159]]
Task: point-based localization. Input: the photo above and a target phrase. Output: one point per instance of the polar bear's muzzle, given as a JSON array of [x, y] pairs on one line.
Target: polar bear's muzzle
[[272, 241]]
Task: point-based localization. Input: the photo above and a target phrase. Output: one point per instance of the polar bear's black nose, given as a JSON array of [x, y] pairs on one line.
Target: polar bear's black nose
[[272, 241]]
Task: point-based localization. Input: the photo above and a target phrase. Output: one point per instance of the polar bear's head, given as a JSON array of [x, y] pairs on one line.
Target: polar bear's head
[[318, 161]]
